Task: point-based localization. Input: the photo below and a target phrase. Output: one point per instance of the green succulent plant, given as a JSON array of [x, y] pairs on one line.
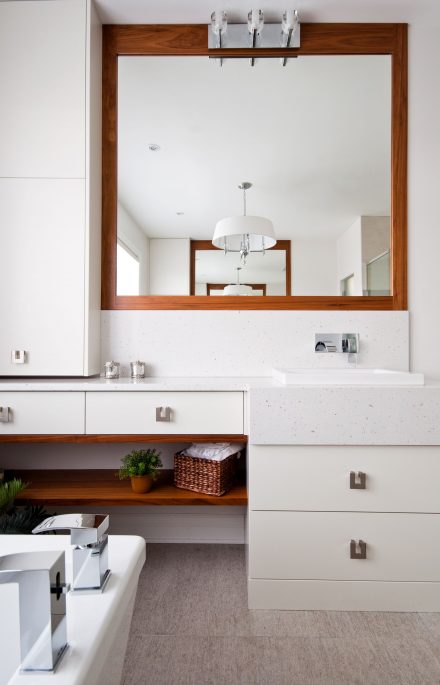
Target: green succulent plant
[[140, 463]]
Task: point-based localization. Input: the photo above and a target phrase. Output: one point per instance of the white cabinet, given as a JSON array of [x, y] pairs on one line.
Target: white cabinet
[[42, 413], [42, 276], [344, 527], [189, 413], [42, 68], [50, 56]]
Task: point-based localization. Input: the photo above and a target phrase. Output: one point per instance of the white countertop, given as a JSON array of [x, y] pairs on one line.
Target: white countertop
[[98, 384], [179, 383]]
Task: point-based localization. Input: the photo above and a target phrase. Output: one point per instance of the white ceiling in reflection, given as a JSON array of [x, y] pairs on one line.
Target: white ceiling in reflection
[[313, 138]]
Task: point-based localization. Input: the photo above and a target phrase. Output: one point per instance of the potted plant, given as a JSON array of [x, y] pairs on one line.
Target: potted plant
[[17, 520], [141, 467]]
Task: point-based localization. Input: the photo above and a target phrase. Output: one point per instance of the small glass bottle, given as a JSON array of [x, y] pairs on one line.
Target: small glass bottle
[[111, 369], [137, 369]]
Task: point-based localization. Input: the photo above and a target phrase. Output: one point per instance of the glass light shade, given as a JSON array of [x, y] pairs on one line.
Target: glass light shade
[[289, 20], [237, 289], [255, 20], [219, 22], [229, 232]]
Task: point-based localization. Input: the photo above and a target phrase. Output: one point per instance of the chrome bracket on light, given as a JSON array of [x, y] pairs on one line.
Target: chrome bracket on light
[[255, 34]]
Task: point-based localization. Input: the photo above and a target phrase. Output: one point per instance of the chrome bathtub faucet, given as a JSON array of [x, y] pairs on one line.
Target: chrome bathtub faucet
[[42, 604], [88, 534]]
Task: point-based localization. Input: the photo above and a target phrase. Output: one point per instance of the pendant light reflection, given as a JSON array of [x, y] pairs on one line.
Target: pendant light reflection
[[244, 234], [238, 288]]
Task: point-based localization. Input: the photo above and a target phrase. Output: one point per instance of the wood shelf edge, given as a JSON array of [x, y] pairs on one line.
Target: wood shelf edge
[[101, 487]]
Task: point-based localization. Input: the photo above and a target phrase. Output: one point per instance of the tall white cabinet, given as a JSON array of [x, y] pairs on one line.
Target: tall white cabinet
[[50, 167]]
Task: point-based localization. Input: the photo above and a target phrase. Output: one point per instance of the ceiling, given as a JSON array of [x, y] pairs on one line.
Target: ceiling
[[198, 11], [313, 138]]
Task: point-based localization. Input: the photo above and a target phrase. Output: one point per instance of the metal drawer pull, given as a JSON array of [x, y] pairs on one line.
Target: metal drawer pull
[[18, 356], [358, 550], [358, 480], [5, 414], [163, 413]]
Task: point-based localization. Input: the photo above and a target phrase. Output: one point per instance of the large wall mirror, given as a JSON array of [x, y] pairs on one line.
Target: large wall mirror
[[318, 147]]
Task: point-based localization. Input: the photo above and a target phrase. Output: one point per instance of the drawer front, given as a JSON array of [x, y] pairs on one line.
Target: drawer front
[[316, 546], [307, 478], [40, 413], [126, 413]]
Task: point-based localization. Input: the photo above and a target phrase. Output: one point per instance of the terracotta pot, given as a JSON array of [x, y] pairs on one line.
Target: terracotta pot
[[141, 483]]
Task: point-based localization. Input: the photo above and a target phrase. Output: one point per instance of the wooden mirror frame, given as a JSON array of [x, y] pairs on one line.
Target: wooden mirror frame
[[316, 39], [195, 245]]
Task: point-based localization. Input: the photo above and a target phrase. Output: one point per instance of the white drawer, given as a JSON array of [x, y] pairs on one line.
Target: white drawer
[[308, 478], [316, 546], [40, 413], [191, 412]]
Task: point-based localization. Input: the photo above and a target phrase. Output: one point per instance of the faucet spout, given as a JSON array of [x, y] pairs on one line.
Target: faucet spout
[[88, 534], [42, 605]]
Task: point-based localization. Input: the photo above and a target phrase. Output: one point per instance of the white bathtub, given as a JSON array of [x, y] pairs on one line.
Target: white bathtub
[[97, 625]]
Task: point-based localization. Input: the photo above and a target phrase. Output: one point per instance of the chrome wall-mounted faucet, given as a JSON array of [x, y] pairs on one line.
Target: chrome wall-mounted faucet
[[42, 591], [345, 343], [88, 534]]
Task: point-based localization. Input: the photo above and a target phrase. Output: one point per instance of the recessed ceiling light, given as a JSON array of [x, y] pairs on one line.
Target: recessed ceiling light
[[153, 147]]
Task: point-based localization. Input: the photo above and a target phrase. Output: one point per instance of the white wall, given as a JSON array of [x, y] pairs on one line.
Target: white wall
[[424, 185], [314, 267], [134, 237], [349, 255], [169, 266]]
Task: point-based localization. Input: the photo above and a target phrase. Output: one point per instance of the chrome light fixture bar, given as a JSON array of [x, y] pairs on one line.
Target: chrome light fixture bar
[[255, 33]]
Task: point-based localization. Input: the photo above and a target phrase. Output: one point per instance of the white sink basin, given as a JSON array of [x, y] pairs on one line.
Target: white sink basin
[[347, 377]]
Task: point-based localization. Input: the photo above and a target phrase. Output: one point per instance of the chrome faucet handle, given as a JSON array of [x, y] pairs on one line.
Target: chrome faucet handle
[[42, 604], [345, 343], [85, 529]]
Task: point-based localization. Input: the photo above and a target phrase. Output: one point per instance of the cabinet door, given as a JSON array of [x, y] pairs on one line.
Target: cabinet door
[[190, 412], [42, 276], [316, 546], [42, 77], [43, 413]]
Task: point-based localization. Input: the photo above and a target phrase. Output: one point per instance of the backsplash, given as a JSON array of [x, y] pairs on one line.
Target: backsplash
[[248, 343]]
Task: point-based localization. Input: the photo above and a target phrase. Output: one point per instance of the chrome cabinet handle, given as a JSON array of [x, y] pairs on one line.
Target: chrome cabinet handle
[[358, 480], [358, 550], [19, 356], [163, 413], [5, 414]]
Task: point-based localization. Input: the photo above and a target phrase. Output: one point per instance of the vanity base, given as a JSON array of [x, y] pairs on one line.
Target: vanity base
[[343, 595]]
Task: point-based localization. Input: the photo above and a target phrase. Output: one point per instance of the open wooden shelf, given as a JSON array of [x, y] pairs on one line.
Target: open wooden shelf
[[144, 437], [92, 487]]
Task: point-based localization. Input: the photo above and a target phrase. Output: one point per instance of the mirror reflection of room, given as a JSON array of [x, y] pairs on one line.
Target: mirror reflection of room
[[313, 143]]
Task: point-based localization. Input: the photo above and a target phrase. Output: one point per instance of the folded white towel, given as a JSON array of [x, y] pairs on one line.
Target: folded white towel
[[215, 451]]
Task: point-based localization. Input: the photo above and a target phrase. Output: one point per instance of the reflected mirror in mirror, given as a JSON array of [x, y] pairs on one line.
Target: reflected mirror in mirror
[[313, 138]]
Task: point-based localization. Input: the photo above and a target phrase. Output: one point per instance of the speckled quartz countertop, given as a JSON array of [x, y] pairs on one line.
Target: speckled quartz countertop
[[345, 415], [289, 415], [98, 384]]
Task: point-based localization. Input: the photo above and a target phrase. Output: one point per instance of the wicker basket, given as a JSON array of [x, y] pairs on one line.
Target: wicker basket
[[204, 475]]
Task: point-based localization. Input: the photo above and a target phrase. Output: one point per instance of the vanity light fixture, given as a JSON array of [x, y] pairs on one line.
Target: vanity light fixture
[[244, 234], [237, 288], [255, 33]]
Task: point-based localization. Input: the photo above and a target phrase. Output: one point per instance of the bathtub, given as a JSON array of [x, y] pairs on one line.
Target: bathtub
[[97, 624]]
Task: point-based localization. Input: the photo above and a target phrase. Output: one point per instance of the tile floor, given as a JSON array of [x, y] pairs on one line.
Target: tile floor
[[192, 626]]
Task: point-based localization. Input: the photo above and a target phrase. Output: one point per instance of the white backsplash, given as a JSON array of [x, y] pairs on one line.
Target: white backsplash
[[248, 343]]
